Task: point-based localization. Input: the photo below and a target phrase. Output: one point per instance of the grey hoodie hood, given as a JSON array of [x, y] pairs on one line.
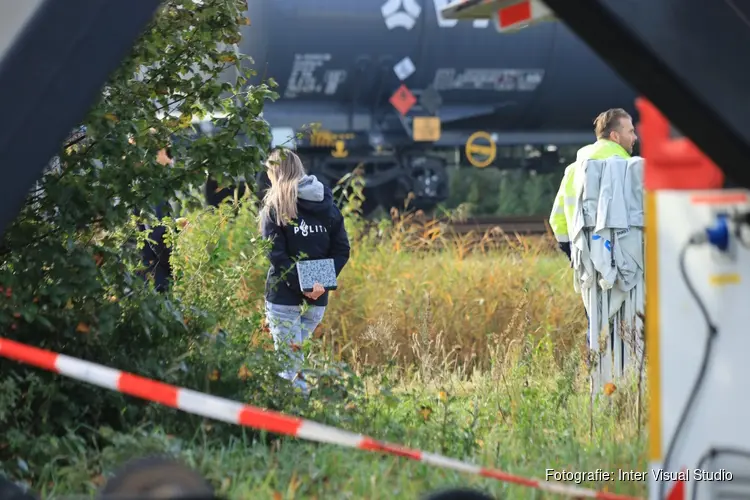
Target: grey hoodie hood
[[310, 189]]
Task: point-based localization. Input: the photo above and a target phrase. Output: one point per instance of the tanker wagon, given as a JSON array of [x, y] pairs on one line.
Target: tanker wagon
[[399, 90]]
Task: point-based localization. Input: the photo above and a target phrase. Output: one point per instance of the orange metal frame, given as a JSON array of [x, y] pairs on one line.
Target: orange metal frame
[[672, 163]]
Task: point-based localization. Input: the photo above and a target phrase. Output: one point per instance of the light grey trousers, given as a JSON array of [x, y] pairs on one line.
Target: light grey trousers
[[290, 327]]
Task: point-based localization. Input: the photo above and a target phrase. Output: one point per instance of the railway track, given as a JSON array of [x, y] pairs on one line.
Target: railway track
[[418, 232], [522, 225]]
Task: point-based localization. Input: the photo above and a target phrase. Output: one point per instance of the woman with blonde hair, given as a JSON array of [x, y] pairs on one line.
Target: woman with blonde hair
[[299, 217]]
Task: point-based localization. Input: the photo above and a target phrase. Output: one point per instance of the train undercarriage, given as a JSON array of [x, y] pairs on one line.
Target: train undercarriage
[[411, 178], [388, 178]]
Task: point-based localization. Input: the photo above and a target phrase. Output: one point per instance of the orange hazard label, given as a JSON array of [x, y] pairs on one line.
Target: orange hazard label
[[719, 199]]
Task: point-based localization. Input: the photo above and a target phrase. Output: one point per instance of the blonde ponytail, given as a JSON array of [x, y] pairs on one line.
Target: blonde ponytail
[[280, 202]]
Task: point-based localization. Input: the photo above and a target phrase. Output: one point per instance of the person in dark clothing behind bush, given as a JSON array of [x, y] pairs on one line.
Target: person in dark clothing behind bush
[[299, 217], [155, 256]]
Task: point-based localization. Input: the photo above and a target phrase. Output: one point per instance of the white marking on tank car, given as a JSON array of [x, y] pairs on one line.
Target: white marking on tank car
[[404, 68], [400, 13], [333, 78], [498, 79], [404, 14], [302, 77]]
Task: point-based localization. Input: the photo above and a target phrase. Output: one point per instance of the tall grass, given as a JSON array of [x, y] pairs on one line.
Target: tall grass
[[477, 298]]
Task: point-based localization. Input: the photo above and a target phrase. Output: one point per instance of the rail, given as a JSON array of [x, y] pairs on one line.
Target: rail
[[420, 232], [523, 225]]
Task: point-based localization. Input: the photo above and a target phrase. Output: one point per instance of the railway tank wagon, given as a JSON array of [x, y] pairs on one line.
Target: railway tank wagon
[[350, 65]]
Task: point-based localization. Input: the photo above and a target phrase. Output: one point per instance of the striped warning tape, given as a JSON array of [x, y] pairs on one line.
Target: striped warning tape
[[233, 412]]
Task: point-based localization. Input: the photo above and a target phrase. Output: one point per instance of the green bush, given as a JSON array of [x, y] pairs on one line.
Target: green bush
[[218, 263], [70, 269]]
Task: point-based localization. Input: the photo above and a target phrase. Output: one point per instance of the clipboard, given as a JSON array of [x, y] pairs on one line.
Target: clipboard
[[321, 271]]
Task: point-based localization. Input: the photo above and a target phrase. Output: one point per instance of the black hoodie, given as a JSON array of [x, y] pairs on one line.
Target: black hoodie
[[318, 232]]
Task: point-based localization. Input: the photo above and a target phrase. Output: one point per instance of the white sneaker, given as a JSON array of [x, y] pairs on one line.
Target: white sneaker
[[299, 382]]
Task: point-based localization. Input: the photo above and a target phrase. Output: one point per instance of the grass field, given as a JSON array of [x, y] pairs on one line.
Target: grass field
[[475, 353]]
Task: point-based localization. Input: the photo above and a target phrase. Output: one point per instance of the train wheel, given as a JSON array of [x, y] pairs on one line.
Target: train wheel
[[429, 180]]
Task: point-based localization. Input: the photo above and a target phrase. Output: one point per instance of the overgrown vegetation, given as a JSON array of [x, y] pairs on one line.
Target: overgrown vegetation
[[468, 350], [502, 384], [70, 270]]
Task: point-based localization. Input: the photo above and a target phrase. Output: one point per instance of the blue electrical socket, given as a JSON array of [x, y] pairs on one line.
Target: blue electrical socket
[[718, 235]]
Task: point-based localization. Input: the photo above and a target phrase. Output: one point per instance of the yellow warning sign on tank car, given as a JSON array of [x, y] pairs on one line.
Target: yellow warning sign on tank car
[[322, 139], [426, 128], [327, 139], [340, 150], [336, 142], [480, 149]]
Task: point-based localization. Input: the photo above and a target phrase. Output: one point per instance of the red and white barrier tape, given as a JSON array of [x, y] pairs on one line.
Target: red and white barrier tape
[[233, 412]]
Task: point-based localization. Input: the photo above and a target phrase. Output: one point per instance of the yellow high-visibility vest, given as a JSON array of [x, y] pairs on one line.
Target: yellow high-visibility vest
[[562, 208]]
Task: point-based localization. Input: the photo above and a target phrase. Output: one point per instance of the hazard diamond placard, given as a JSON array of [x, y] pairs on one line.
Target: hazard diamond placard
[[403, 100]]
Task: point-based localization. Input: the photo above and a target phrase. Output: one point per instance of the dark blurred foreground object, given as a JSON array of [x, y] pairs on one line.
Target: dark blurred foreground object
[[157, 477], [55, 55], [9, 491], [165, 478], [458, 494], [161, 477]]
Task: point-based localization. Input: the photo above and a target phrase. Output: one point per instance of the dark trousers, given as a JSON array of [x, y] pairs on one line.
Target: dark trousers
[[155, 256], [156, 259]]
